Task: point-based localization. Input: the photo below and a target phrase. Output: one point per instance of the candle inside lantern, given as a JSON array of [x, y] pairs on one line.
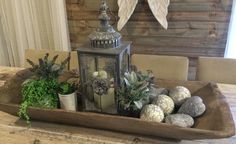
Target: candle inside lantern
[[104, 92], [105, 101]]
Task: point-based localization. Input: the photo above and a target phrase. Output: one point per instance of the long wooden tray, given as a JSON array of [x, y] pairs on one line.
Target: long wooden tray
[[217, 121]]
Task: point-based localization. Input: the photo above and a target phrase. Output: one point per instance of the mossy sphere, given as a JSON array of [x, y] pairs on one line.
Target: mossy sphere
[[152, 113], [179, 95], [165, 103]]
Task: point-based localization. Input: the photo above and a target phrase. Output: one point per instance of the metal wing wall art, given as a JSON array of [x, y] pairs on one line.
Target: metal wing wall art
[[159, 9]]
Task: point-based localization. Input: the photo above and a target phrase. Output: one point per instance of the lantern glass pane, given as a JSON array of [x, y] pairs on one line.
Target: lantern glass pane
[[101, 72], [99, 77], [125, 63]]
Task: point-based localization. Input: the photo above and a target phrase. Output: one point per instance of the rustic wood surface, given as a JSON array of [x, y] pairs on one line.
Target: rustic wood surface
[[6, 73], [15, 131], [195, 27]]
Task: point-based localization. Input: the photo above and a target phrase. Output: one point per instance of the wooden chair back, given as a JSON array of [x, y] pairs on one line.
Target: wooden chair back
[[74, 62], [163, 67], [34, 55], [216, 69]]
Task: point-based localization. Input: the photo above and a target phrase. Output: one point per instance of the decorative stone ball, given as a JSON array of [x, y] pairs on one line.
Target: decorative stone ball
[[182, 120], [179, 94], [152, 113], [194, 107], [165, 103]]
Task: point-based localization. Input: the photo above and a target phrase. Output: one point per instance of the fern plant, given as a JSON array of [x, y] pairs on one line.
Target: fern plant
[[38, 93], [40, 90], [134, 93]]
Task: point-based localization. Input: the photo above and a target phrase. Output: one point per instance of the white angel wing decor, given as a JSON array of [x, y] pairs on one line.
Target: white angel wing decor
[[126, 9], [159, 9]]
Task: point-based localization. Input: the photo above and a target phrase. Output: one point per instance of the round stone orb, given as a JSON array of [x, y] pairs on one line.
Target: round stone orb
[[152, 113], [179, 95], [165, 103]]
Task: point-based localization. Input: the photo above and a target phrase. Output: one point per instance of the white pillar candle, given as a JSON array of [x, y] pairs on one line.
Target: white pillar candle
[[105, 101]]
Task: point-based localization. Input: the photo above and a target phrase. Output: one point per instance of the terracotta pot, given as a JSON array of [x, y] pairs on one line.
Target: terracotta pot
[[69, 101]]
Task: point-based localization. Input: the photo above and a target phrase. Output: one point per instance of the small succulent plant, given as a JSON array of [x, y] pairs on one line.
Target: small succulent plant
[[134, 92], [66, 88]]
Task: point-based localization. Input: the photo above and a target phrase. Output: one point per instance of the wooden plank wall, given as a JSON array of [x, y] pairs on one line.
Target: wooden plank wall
[[196, 27]]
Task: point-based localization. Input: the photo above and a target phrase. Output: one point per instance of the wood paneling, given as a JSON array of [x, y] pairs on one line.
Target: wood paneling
[[196, 27]]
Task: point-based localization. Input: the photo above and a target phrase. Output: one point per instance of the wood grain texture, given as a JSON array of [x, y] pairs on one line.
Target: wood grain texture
[[195, 27], [192, 24]]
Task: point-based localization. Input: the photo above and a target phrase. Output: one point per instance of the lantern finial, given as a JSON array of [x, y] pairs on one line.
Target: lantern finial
[[103, 17]]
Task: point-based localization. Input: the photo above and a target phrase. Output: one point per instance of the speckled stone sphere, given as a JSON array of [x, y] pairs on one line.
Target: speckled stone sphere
[[194, 107], [152, 113], [182, 120], [165, 103], [179, 95]]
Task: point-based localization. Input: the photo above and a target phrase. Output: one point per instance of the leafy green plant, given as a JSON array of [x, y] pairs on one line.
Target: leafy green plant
[[38, 93], [66, 88], [134, 92], [40, 90]]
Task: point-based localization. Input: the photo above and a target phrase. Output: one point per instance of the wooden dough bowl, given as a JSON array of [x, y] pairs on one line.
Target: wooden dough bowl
[[216, 122]]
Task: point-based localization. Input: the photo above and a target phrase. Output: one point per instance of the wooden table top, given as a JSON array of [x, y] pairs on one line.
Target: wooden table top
[[15, 131]]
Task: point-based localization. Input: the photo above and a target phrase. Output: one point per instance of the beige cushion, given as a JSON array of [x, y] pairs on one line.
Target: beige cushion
[[220, 70], [34, 55], [164, 67]]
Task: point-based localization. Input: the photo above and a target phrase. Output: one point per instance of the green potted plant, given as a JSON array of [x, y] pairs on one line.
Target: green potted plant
[[67, 96], [134, 93], [40, 89]]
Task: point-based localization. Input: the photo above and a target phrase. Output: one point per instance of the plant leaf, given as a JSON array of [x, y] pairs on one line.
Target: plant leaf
[[30, 62], [138, 104], [46, 57], [127, 82]]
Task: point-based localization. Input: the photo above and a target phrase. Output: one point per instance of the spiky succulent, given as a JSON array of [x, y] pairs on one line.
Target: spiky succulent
[[134, 90], [48, 69]]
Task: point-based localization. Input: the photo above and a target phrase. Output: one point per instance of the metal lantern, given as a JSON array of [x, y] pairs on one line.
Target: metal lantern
[[102, 65]]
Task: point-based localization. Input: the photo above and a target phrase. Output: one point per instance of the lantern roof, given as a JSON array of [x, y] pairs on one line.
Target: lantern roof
[[102, 51], [105, 36]]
